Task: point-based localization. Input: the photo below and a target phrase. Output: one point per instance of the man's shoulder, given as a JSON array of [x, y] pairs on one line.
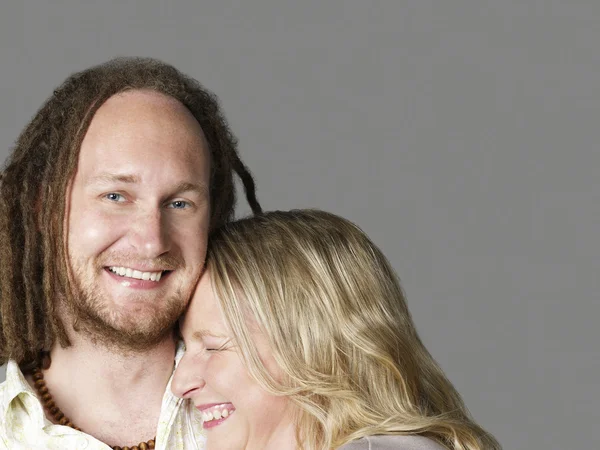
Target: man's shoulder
[[393, 442], [13, 384], [3, 386], [3, 407], [11, 387], [4, 394]]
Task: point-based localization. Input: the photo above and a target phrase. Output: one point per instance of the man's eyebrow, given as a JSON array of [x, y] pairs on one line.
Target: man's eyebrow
[[199, 188], [106, 178], [184, 186]]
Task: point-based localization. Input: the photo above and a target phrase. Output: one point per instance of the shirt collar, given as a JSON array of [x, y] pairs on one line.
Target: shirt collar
[[16, 385]]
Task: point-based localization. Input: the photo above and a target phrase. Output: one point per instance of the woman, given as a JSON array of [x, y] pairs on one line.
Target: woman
[[298, 336]]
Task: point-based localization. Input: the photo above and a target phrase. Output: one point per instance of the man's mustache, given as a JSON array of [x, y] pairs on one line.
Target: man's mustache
[[163, 262]]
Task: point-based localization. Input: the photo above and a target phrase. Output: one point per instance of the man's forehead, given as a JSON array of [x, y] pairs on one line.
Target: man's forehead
[[152, 113], [146, 97], [138, 126]]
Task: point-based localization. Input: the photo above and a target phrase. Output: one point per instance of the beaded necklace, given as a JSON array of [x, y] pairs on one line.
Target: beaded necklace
[[51, 407]]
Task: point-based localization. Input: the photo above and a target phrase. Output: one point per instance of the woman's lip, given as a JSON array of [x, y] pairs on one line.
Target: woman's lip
[[214, 414], [214, 423], [205, 406]]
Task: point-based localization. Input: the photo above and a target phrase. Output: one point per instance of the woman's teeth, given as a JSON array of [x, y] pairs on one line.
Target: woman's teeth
[[216, 413]]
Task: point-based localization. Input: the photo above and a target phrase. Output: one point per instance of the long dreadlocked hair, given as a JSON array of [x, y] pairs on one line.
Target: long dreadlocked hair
[[33, 189]]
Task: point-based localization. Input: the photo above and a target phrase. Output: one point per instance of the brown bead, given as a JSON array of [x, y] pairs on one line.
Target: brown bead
[[59, 416], [46, 361]]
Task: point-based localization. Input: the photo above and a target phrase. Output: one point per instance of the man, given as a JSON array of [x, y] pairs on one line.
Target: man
[[105, 208]]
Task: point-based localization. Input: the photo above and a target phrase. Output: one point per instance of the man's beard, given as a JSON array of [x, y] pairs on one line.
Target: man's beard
[[94, 316]]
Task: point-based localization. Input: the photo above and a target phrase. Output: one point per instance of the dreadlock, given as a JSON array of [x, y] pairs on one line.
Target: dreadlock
[[33, 189]]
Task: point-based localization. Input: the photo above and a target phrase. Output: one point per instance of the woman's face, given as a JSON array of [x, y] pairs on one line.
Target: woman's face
[[237, 412]]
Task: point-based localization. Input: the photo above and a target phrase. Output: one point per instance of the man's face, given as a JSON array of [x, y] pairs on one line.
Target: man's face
[[138, 219]]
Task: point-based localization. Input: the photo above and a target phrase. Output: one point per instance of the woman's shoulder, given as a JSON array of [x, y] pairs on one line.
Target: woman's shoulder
[[393, 442]]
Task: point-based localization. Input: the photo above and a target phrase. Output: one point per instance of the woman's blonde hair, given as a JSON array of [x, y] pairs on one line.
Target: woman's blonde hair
[[333, 311]]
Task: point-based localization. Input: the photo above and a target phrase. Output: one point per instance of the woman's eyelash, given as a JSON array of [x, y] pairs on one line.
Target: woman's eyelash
[[217, 349]]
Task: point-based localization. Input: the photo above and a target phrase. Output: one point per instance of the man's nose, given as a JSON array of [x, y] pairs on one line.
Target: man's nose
[[150, 234]]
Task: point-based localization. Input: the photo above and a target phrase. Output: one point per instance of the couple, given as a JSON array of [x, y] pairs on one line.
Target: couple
[[297, 334]]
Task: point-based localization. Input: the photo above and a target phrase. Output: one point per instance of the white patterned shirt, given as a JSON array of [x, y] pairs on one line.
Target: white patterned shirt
[[23, 424]]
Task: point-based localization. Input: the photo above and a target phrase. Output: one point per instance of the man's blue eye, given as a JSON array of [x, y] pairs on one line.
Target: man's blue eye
[[179, 204], [114, 197]]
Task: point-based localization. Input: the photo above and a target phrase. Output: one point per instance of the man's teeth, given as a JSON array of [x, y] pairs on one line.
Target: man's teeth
[[132, 273]]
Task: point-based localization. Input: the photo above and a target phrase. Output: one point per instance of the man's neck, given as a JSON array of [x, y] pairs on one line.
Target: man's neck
[[103, 391], [106, 366]]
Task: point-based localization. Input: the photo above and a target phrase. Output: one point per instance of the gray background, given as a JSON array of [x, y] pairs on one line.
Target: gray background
[[461, 135]]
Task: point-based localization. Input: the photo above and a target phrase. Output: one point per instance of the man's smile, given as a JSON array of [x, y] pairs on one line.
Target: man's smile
[[137, 274]]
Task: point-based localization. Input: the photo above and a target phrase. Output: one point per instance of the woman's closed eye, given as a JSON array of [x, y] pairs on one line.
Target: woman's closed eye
[[213, 347]]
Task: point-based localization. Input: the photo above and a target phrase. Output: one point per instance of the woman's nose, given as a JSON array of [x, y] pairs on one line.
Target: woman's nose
[[187, 378]]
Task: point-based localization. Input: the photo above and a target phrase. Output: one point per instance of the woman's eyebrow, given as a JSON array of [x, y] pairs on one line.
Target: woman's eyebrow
[[199, 334]]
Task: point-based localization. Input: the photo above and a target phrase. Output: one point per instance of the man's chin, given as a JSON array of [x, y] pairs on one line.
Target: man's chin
[[124, 337], [132, 331]]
